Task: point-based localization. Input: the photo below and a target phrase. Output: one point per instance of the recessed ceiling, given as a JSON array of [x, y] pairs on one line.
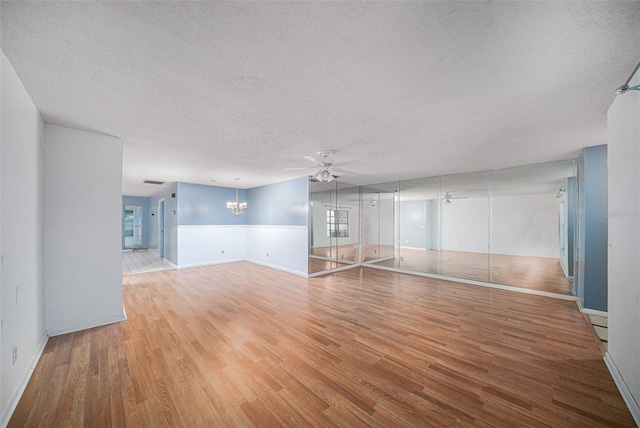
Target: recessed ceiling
[[203, 91]]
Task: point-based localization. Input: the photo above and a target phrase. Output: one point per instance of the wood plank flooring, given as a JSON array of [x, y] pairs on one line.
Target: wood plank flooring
[[244, 345]]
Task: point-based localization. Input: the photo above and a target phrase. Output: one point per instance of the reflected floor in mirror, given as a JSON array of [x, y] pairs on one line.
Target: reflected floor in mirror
[[339, 252], [535, 273], [321, 265]]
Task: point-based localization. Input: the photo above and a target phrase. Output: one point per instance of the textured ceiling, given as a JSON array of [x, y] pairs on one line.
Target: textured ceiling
[[203, 91]]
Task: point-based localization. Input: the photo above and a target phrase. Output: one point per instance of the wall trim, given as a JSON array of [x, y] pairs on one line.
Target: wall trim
[[627, 396], [473, 282], [24, 381], [217, 262], [591, 311], [87, 325], [283, 269]]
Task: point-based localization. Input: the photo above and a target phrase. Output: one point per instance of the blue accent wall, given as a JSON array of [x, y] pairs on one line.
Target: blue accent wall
[[170, 221], [144, 203], [281, 204], [593, 228], [571, 192], [199, 204]]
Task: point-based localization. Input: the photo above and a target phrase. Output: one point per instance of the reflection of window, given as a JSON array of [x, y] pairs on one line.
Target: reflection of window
[[337, 224]]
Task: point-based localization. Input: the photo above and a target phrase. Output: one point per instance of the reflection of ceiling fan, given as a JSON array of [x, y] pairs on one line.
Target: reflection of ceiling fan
[[325, 167], [448, 196]]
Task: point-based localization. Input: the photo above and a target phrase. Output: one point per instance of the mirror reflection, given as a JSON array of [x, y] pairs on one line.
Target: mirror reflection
[[530, 226], [333, 225], [513, 226]]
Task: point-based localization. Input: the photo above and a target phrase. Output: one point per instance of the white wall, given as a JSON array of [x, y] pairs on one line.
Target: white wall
[[280, 247], [82, 223], [22, 313], [465, 225], [522, 225], [204, 245], [623, 355], [526, 225]]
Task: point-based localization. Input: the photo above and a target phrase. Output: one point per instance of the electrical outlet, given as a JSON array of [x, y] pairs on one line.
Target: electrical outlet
[[15, 354], [222, 251], [267, 254]]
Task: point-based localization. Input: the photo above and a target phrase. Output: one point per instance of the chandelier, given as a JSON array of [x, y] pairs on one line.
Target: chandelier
[[236, 208]]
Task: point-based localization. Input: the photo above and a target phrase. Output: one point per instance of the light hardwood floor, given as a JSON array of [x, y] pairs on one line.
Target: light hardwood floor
[[244, 345]]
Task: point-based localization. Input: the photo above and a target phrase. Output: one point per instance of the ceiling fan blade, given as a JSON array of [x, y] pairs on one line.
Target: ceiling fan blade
[[342, 171], [311, 159], [300, 169]]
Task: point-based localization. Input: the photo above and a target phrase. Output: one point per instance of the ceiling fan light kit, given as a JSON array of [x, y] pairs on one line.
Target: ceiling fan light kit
[[325, 167]]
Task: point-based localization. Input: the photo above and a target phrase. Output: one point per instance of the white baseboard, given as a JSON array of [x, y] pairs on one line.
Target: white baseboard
[[591, 311], [594, 312], [22, 385], [283, 269], [627, 396], [217, 262], [87, 325]]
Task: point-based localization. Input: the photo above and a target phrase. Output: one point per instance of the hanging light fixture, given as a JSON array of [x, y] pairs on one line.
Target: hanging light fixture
[[236, 208]]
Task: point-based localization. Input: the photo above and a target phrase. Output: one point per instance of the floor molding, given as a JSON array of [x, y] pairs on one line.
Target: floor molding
[[627, 396], [88, 325], [15, 398], [280, 268]]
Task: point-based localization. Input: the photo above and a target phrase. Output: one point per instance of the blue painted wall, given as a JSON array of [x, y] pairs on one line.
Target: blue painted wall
[[593, 228], [281, 204], [144, 203], [170, 221], [571, 192], [206, 205]]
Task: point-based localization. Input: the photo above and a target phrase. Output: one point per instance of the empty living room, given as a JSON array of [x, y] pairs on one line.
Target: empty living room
[[340, 213]]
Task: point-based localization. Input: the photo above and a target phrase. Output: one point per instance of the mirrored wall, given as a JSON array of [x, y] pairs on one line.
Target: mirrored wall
[[334, 225], [512, 226]]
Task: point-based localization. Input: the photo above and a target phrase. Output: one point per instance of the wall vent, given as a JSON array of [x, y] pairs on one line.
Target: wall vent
[[159, 183]]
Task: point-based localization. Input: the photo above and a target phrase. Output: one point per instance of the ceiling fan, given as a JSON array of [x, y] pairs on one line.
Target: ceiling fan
[[324, 166]]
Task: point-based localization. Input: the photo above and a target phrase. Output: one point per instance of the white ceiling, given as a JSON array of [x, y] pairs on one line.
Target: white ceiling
[[203, 91]]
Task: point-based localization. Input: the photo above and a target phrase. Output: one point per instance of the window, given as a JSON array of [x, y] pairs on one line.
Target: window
[[337, 224]]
